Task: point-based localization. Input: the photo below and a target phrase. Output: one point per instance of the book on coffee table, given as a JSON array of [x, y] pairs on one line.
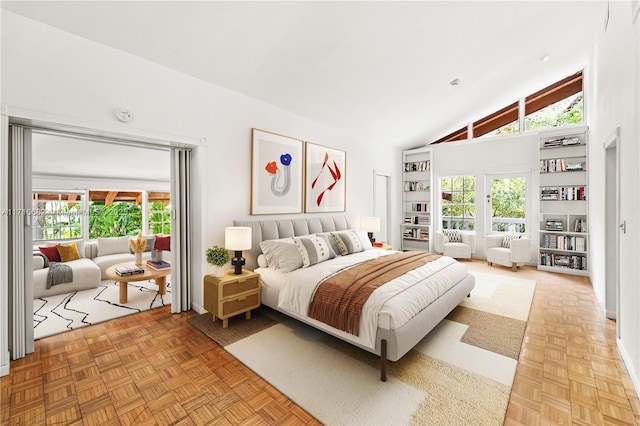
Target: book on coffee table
[[158, 266], [126, 270]]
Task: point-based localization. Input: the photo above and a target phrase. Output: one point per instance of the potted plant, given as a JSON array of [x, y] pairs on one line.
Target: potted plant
[[218, 257]]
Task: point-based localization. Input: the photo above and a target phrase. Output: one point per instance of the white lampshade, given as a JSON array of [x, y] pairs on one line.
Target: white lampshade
[[370, 224], [237, 238]]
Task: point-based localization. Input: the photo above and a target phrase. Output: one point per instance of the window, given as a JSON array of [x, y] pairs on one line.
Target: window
[[57, 216], [458, 202], [557, 105], [508, 204], [116, 219], [159, 218]]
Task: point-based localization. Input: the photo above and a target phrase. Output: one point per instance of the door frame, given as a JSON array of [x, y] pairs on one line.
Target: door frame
[[612, 172], [387, 176]]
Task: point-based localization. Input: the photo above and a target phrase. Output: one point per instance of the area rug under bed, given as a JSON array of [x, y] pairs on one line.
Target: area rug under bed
[[460, 374], [63, 312]]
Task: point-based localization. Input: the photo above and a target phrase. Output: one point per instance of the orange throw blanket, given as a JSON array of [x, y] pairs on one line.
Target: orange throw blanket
[[338, 300]]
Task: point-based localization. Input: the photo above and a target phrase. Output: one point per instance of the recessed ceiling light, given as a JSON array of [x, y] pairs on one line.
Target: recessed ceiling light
[[455, 82]]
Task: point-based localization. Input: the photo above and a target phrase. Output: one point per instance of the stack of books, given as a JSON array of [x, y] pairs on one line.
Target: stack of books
[[127, 270], [158, 266]]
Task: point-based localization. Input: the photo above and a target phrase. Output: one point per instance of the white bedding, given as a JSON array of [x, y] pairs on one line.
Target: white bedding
[[389, 307]]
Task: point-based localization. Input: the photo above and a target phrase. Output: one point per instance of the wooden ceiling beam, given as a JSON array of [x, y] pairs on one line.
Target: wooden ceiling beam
[[111, 196]]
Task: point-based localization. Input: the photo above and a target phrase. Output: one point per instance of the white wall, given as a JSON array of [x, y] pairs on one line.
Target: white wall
[[59, 74], [613, 96]]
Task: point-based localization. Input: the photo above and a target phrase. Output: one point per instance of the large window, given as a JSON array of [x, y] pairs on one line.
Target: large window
[[508, 204], [57, 216], [556, 105], [116, 219], [458, 202]]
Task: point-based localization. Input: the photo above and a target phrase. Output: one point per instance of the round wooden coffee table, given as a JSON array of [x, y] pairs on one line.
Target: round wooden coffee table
[[159, 277]]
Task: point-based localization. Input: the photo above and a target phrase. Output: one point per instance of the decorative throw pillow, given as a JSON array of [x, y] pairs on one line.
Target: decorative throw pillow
[[51, 252], [332, 243], [162, 242], [313, 249], [79, 245], [113, 245], [68, 252], [364, 239], [347, 242], [262, 261], [506, 242], [453, 235]]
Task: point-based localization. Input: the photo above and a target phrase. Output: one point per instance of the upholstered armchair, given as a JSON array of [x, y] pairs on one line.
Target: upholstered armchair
[[455, 243], [508, 250]]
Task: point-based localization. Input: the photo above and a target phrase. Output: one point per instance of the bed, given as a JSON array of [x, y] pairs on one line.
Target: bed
[[396, 316]]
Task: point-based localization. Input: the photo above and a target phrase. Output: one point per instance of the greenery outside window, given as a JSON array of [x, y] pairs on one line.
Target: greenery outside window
[[508, 204], [458, 202], [57, 216], [117, 219], [159, 218]]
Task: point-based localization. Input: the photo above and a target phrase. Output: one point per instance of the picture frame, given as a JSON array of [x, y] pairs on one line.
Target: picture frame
[[277, 165], [325, 179]]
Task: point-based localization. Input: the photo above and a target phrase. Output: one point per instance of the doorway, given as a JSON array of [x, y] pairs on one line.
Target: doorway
[[19, 283], [381, 205], [613, 227]]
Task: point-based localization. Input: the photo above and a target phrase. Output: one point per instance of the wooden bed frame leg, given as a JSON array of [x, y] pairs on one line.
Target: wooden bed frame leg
[[383, 360]]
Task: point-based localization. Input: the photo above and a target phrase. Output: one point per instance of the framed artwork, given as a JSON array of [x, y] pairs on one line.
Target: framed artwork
[[276, 173], [325, 179]]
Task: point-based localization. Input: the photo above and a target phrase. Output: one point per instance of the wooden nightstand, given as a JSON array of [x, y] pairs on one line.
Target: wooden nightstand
[[231, 294]]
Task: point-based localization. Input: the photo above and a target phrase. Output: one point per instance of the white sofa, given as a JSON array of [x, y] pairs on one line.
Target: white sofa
[[518, 252], [88, 271]]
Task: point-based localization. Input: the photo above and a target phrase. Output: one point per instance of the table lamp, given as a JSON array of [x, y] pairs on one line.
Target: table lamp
[[370, 225], [237, 238]]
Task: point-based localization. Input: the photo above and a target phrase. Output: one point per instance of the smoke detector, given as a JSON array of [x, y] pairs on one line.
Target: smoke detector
[[124, 115]]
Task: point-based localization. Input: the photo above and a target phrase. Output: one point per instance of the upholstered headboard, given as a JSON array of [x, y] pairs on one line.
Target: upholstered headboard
[[262, 230]]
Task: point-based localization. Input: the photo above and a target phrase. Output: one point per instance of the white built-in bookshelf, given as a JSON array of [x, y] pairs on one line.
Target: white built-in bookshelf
[[563, 230], [416, 199]]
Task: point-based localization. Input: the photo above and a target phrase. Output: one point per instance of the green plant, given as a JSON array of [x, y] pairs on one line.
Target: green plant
[[218, 256]]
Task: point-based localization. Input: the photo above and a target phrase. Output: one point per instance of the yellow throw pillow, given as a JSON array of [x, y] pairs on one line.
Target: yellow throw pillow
[[68, 252]]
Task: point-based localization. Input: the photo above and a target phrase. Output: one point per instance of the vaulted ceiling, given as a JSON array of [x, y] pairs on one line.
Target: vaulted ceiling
[[373, 69]]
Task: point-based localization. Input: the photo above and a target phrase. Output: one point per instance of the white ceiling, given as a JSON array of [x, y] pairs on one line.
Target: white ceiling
[[374, 69], [55, 155]]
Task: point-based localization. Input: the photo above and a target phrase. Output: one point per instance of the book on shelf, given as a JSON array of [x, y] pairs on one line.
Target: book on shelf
[[417, 166], [554, 225], [562, 141], [158, 266], [126, 270], [580, 225]]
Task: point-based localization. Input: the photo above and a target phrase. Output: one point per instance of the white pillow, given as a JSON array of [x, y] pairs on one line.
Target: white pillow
[[281, 254], [347, 242], [113, 245], [364, 239], [262, 261], [313, 249]]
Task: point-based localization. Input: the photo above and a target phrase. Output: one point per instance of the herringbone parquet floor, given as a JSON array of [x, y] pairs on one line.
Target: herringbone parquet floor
[[154, 368]]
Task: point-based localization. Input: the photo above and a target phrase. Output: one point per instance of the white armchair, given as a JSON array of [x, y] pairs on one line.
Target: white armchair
[[508, 250], [454, 243]]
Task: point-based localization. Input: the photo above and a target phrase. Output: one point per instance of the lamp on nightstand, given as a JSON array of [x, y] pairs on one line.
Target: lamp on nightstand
[[370, 225], [237, 238]]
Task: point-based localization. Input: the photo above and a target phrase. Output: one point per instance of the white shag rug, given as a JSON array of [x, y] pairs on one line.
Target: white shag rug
[[442, 381], [63, 312]]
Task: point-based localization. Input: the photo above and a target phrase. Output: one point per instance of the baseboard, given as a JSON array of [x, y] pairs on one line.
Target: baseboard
[[628, 363], [4, 368], [199, 309]]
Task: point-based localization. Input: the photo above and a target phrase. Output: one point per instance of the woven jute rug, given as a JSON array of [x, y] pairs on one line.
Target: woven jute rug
[[461, 373]]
